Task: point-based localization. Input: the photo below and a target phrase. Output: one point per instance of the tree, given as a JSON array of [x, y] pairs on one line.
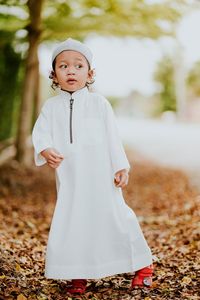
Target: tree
[[193, 80], [8, 88], [164, 76], [30, 79], [77, 19]]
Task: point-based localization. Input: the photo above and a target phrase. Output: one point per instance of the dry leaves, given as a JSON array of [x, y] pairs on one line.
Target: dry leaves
[[167, 208]]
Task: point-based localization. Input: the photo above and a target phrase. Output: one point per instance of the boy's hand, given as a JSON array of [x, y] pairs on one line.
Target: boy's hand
[[121, 178], [53, 157]]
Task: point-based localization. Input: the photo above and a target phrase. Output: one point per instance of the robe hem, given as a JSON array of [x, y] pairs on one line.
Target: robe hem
[[95, 272]]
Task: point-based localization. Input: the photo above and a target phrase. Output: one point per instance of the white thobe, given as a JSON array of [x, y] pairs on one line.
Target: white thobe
[[93, 232]]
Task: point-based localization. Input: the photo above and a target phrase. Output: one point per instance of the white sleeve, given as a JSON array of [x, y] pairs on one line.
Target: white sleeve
[[117, 154], [41, 135]]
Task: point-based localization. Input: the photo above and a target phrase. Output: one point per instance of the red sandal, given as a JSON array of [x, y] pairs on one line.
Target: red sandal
[[78, 286], [143, 277]]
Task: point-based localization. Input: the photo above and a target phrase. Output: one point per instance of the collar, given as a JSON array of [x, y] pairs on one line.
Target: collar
[[75, 95]]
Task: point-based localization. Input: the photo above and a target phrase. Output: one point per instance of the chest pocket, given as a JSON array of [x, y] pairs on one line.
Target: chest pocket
[[92, 131]]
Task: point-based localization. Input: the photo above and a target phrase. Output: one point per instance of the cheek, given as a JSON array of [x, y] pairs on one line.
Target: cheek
[[60, 76], [85, 75], [82, 75]]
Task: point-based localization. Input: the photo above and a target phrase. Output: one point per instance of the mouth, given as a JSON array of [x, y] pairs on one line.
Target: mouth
[[71, 80]]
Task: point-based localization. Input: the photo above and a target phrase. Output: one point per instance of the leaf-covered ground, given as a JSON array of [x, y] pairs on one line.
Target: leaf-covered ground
[[168, 211]]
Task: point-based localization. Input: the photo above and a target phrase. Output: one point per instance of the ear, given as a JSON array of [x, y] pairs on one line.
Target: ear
[[91, 75], [53, 76]]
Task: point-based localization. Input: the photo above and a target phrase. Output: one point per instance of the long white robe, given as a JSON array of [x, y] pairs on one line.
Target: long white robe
[[93, 232]]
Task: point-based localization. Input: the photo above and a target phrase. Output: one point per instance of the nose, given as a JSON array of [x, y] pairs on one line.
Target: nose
[[70, 71]]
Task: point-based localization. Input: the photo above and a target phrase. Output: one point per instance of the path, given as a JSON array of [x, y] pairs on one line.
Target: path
[[170, 144]]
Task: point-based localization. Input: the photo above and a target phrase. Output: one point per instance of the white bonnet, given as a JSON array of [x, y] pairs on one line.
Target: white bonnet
[[71, 44]]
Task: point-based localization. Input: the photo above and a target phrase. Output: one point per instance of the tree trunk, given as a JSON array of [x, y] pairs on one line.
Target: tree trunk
[[37, 98], [179, 79], [30, 81]]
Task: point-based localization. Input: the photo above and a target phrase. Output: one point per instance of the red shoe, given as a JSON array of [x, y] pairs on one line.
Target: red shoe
[[78, 286], [143, 277]]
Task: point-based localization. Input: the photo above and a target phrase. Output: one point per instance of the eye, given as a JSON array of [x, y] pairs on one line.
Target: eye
[[64, 66], [79, 66]]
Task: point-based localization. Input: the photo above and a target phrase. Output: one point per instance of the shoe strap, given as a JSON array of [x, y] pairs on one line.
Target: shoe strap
[[79, 282]]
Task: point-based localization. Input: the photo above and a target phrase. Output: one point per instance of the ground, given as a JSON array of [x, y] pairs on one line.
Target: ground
[[167, 207]]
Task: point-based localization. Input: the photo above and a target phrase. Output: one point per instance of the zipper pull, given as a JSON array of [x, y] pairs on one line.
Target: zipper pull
[[70, 125], [71, 103]]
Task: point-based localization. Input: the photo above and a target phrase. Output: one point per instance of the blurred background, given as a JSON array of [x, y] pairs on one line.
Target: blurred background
[[147, 62]]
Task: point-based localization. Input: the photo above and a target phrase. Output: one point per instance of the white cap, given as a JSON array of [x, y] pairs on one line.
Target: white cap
[[71, 44]]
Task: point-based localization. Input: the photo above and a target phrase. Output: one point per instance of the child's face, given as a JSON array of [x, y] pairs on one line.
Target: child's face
[[72, 70]]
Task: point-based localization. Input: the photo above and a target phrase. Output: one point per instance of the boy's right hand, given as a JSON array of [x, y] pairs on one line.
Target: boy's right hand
[[52, 156]]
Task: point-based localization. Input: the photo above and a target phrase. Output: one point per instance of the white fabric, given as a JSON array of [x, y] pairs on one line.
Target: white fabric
[[93, 233], [71, 44]]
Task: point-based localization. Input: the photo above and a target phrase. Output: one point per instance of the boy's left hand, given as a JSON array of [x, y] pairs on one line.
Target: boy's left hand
[[121, 178]]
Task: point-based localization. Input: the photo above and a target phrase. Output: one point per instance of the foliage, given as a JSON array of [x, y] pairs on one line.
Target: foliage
[[120, 18], [164, 76], [13, 17], [193, 80], [10, 63], [165, 203], [114, 101], [80, 18]]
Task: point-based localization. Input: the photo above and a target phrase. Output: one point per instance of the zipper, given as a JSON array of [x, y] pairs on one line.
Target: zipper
[[70, 120]]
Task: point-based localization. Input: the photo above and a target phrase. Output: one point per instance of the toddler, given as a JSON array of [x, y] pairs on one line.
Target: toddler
[[93, 232]]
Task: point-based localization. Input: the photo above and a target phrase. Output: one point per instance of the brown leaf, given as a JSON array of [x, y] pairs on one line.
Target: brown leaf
[[21, 297]]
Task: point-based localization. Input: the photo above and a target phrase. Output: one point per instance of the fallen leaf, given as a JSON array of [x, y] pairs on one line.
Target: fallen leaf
[[21, 297]]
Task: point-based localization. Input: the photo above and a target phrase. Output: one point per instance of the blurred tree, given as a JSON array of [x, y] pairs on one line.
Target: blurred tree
[[164, 76], [179, 80], [9, 70], [110, 17], [193, 80], [30, 88], [77, 19]]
